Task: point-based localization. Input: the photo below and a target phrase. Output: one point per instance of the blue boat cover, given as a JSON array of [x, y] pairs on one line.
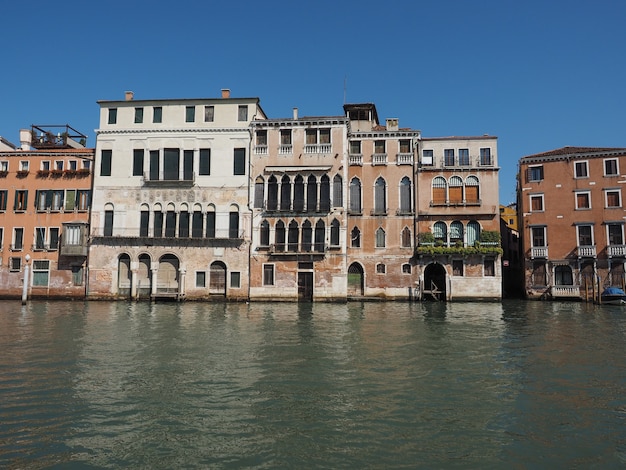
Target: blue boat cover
[[613, 291]]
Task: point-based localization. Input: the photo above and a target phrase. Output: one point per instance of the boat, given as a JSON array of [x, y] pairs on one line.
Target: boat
[[613, 296]]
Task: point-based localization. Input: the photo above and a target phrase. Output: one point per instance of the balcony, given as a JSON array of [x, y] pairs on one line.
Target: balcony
[[298, 249], [166, 179], [317, 148], [73, 250], [587, 251], [356, 160], [285, 149], [297, 206], [565, 292], [616, 251], [404, 159], [261, 150], [539, 252], [465, 202], [379, 159]]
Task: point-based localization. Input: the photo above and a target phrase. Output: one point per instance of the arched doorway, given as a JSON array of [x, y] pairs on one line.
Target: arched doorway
[[144, 277], [167, 277], [217, 278], [355, 280], [434, 282], [123, 275]]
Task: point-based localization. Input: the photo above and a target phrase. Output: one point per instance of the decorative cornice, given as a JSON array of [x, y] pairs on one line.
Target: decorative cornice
[[212, 130]]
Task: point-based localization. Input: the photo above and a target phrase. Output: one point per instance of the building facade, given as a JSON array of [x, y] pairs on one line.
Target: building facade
[[170, 216], [381, 206], [45, 198], [298, 169], [458, 219], [572, 221]]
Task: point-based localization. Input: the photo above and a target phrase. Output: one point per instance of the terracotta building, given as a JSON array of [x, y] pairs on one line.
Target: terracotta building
[[381, 206], [45, 198], [170, 215], [459, 253], [572, 221], [298, 174]]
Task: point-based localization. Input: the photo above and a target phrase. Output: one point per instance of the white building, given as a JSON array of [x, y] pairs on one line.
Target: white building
[[170, 215]]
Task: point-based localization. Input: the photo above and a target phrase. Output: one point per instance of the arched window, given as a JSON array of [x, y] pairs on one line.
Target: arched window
[[337, 191], [197, 221], [455, 192], [210, 221], [405, 237], [405, 196], [157, 222], [440, 232], [298, 194], [456, 233], [285, 193], [334, 233], [320, 234], [108, 220], [355, 196], [292, 236], [183, 221], [473, 232], [170, 221], [280, 236], [472, 190], [440, 189], [144, 220], [380, 196], [307, 236], [380, 238], [265, 233], [259, 189], [381, 268], [272, 194], [311, 194], [563, 276], [325, 193], [233, 222], [355, 238]]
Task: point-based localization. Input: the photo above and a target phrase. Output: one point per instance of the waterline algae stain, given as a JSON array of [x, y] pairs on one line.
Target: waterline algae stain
[[372, 385]]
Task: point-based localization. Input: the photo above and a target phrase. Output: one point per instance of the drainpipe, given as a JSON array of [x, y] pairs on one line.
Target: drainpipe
[[26, 280]]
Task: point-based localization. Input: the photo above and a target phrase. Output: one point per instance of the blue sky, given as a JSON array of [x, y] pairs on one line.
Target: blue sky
[[538, 74]]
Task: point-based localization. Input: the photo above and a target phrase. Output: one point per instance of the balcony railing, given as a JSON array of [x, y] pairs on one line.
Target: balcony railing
[[285, 149], [587, 251], [404, 159], [260, 150], [298, 248], [616, 251], [317, 148], [356, 160], [465, 202], [539, 252], [565, 291], [379, 159], [166, 179]]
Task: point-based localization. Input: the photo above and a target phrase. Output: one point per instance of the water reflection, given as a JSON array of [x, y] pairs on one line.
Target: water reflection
[[101, 384]]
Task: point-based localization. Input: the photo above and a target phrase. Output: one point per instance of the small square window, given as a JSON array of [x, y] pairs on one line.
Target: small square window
[[610, 167], [209, 113], [242, 114], [235, 279], [536, 203], [581, 170], [138, 115], [457, 267], [24, 165], [73, 166], [15, 264], [381, 268], [190, 114], [613, 198], [534, 173], [45, 165], [200, 279], [112, 116], [489, 267], [268, 274], [4, 166], [583, 200], [406, 268], [428, 157]]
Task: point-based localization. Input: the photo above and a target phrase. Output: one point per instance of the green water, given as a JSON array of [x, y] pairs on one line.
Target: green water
[[282, 385]]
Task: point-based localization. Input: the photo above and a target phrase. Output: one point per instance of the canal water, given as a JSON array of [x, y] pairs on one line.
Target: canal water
[[282, 385]]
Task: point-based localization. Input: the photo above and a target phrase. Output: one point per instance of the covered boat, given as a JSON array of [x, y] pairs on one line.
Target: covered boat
[[613, 296]]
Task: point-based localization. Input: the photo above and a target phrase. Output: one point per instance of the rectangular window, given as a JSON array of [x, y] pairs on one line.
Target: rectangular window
[[157, 114], [613, 198], [41, 273], [448, 157], [58, 165], [355, 147], [105, 163], [21, 200], [1, 238], [585, 235], [144, 220], [45, 165], [239, 167], [170, 224], [610, 167], [311, 136], [171, 164], [379, 146], [268, 274], [190, 114], [534, 173], [536, 202], [235, 280], [210, 224], [616, 236], [457, 267], [233, 225], [183, 224], [538, 236], [54, 238], [428, 157], [71, 235], [138, 162], [209, 113], [196, 224], [205, 162], [464, 158], [24, 165], [583, 200], [138, 115], [200, 278], [4, 195], [4, 166], [485, 156], [57, 200], [108, 223], [83, 199], [40, 238], [285, 136], [261, 138], [18, 238], [489, 267], [112, 116], [77, 275], [72, 165], [405, 146], [324, 136], [188, 165], [581, 170], [242, 113], [158, 224], [155, 167], [15, 264]]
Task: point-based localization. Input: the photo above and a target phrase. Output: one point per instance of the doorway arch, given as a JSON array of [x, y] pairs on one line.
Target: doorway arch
[[217, 278], [168, 275], [356, 283], [434, 282]]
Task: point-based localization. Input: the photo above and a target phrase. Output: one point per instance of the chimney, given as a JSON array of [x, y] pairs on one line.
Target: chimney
[[129, 95], [26, 138], [295, 113], [225, 93], [392, 124]]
